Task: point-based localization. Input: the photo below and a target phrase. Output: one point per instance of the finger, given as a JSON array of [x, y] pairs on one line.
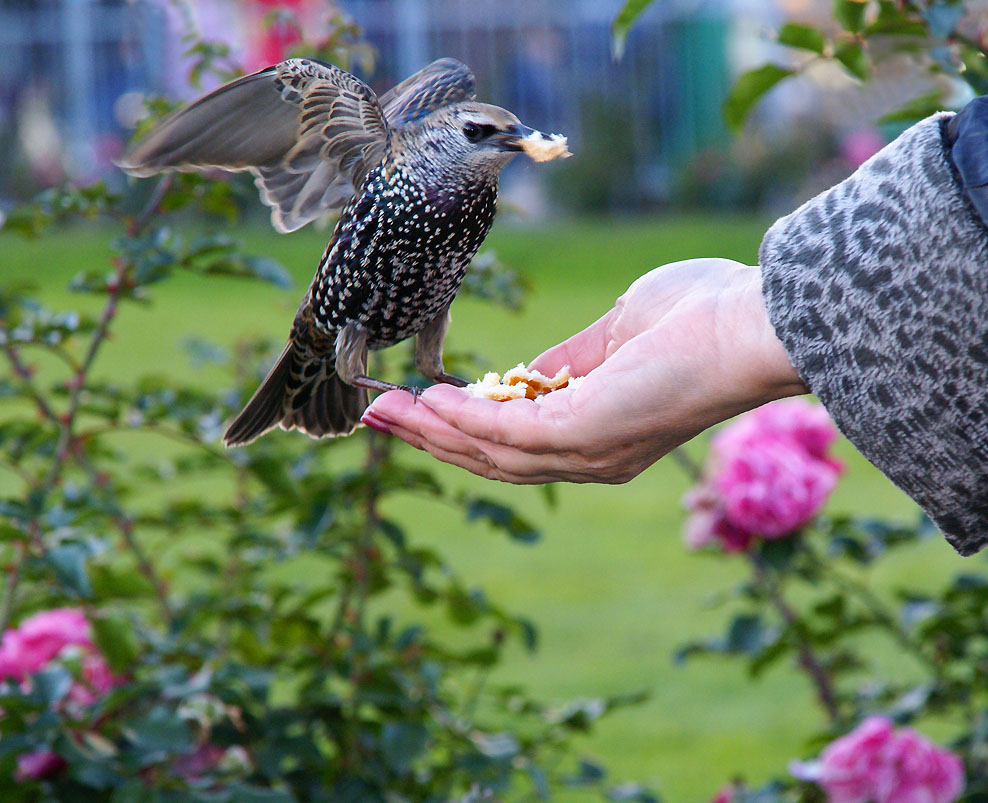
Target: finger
[[517, 460], [521, 424], [582, 352], [480, 467]]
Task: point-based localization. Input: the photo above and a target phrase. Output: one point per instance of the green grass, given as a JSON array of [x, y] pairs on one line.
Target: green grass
[[610, 586]]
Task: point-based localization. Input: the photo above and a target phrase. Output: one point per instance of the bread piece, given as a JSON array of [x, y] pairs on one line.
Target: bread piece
[[521, 383], [542, 148]]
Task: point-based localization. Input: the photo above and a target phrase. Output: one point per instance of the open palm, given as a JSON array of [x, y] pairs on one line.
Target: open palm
[[688, 345]]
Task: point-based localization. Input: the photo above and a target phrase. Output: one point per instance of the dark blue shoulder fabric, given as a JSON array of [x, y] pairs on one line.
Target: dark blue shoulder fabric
[[967, 136]]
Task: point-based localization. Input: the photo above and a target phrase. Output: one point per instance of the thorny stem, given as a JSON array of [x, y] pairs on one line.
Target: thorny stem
[[881, 614], [126, 528], [23, 372], [353, 598], [687, 463], [807, 658], [157, 429], [66, 422], [10, 592]]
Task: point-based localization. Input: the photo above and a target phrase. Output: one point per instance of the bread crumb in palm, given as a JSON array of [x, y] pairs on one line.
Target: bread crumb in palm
[[522, 383]]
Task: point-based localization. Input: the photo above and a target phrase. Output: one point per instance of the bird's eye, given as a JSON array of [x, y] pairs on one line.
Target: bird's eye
[[473, 132]]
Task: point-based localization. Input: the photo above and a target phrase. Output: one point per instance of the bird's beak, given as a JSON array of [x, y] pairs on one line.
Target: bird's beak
[[510, 138]]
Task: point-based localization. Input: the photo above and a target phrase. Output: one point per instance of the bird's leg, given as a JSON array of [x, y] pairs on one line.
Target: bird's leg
[[351, 361], [429, 351]]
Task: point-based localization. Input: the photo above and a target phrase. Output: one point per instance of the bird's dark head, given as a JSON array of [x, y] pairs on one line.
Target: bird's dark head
[[472, 140]]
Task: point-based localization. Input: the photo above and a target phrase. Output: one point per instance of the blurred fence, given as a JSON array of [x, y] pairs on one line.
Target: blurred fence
[[67, 64], [550, 62], [64, 68]]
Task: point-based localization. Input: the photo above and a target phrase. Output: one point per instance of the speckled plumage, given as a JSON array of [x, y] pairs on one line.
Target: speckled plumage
[[418, 172], [399, 253]]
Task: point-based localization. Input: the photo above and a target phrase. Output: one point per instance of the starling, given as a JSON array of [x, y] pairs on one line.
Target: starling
[[416, 172]]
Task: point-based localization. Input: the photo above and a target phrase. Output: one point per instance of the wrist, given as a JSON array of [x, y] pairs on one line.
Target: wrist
[[775, 377], [754, 361]]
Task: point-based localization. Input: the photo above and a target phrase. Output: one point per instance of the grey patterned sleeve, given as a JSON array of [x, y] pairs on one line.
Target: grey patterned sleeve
[[878, 289]]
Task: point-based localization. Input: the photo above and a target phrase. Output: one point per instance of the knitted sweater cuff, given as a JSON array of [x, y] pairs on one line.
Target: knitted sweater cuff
[[878, 289]]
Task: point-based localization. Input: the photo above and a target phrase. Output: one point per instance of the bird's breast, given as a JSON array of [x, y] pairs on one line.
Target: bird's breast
[[399, 254]]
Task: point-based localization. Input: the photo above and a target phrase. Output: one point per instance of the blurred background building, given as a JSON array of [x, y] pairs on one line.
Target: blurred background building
[[647, 129]]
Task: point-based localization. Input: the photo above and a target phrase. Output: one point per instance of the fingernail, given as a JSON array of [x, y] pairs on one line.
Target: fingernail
[[375, 423]]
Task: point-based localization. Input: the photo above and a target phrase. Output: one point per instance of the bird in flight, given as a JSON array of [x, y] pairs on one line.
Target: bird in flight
[[416, 172]]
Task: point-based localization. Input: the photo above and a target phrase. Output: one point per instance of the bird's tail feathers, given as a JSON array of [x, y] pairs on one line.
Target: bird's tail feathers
[[299, 394]]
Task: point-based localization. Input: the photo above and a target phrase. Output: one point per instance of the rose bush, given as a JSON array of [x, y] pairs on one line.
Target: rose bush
[[877, 763], [760, 499], [169, 648], [33, 646]]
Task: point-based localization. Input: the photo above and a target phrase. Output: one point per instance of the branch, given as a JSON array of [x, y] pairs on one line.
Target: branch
[[807, 658], [126, 527], [23, 372], [66, 422]]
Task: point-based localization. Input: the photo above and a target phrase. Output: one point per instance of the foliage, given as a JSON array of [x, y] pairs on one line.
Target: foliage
[[868, 30], [809, 600], [948, 34], [240, 681]]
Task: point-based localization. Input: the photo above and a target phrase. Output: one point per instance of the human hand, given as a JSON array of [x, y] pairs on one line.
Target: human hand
[[688, 345]]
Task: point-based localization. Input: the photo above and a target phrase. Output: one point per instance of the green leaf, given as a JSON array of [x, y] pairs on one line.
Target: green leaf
[[588, 773], [402, 743], [915, 109], [49, 686], [804, 37], [854, 59], [622, 24], [779, 553], [746, 634], [269, 270], [274, 474], [633, 792], [116, 640], [747, 91], [161, 731], [246, 793], [69, 563], [850, 14], [502, 517]]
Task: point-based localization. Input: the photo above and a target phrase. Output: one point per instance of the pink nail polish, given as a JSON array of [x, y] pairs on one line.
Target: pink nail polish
[[375, 423]]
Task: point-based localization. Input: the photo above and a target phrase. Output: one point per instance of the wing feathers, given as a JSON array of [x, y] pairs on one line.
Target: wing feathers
[[273, 123], [308, 131]]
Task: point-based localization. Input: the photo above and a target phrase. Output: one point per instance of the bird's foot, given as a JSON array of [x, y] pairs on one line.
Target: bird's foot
[[381, 386], [449, 379]]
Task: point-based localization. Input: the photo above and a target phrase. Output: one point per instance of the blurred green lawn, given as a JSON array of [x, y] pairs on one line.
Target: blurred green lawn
[[610, 586]]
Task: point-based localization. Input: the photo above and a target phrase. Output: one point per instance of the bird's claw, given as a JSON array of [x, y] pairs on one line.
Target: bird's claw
[[416, 392]]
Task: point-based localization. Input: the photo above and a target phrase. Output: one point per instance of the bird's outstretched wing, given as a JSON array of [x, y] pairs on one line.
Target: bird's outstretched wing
[[442, 83], [308, 131]]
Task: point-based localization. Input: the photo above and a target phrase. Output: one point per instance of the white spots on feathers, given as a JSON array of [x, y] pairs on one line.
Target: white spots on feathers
[[400, 251]]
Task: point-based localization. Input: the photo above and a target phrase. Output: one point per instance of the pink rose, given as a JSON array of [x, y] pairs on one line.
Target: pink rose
[[769, 475], [40, 638], [192, 766], [708, 525], [922, 772], [796, 420], [38, 764], [97, 680], [771, 488], [860, 145], [874, 763]]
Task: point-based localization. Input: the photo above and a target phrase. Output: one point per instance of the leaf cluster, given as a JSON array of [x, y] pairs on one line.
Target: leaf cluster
[[276, 631]]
